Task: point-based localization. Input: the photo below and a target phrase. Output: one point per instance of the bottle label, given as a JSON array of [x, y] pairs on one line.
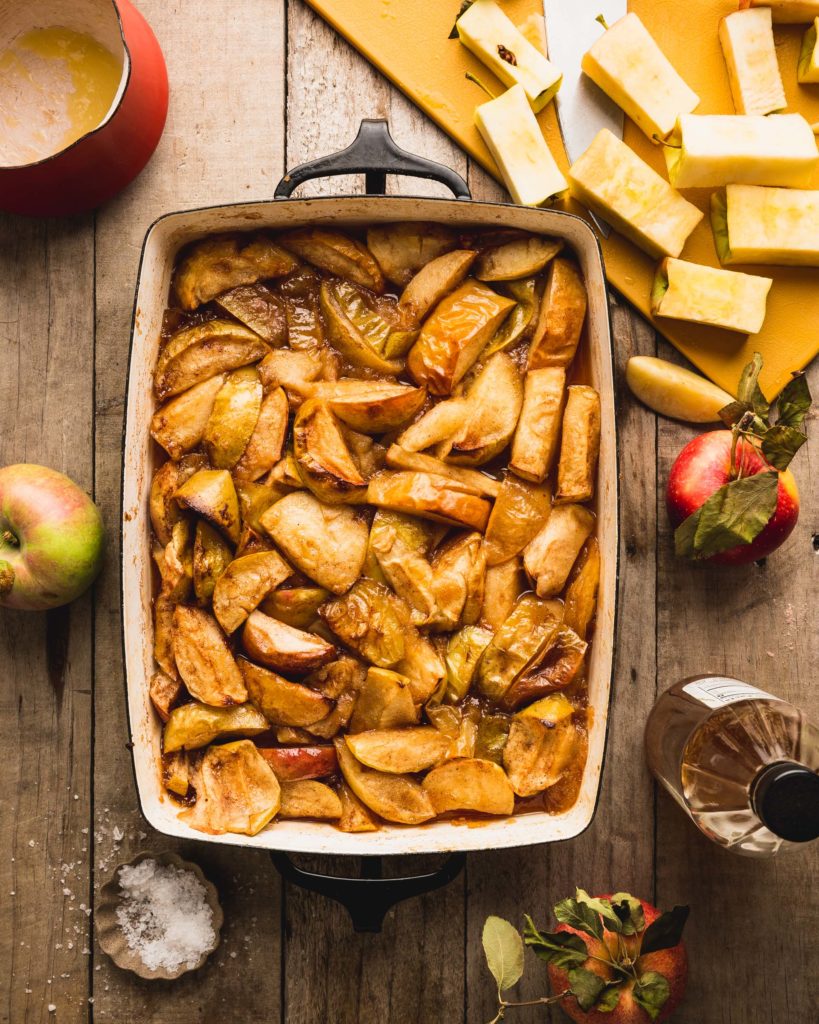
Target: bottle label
[[717, 691]]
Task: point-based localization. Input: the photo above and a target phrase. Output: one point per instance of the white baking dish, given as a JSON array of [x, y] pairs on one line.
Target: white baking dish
[[162, 242]]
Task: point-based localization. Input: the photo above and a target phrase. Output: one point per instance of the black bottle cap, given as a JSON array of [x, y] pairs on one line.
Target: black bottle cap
[[786, 798]]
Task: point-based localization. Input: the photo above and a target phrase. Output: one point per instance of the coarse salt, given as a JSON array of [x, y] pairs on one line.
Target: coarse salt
[[164, 915]]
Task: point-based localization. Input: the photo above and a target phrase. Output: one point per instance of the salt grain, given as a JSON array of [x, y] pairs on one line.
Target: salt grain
[[164, 915]]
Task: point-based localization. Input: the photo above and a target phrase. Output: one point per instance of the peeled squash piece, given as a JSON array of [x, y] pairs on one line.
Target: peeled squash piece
[[629, 66], [673, 391], [513, 136], [787, 12], [703, 295], [486, 31], [775, 226], [612, 181], [711, 150], [808, 69], [750, 56]]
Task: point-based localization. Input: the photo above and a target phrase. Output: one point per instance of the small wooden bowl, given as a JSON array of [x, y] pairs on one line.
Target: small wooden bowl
[[111, 937]]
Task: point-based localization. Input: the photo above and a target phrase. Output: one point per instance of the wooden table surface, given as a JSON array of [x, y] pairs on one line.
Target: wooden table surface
[[257, 86]]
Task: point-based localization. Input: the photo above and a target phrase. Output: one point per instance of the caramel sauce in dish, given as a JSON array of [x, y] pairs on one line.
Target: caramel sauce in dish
[[56, 85]]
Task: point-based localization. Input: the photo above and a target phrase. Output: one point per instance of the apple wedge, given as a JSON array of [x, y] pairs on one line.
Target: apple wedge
[[355, 816], [711, 150], [306, 798], [520, 324], [399, 751], [322, 456], [494, 401], [435, 281], [787, 12], [535, 444], [165, 693], [328, 543], [557, 669], [470, 481], [211, 556], [236, 791], [463, 652], [808, 68], [489, 33], [704, 295], [179, 425], [750, 56], [297, 606], [579, 445], [401, 544], [385, 702], [210, 493], [674, 391], [404, 248], [520, 511], [470, 784], [774, 226], [195, 725], [242, 586], [459, 569], [281, 701], [233, 418], [518, 644], [370, 620], [548, 559], [562, 316], [258, 308], [430, 497], [290, 369], [264, 448], [435, 425], [284, 648], [522, 257], [290, 764], [175, 562], [397, 798], [164, 608], [176, 773], [613, 182], [337, 254], [629, 66], [581, 593], [163, 508], [216, 265], [204, 659], [537, 753], [422, 665], [372, 406], [454, 334], [198, 353], [515, 140], [347, 338]]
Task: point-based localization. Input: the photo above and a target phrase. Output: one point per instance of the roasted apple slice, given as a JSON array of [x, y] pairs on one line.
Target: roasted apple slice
[[292, 763], [176, 773], [579, 445], [495, 399], [469, 481], [549, 558], [400, 751], [284, 648], [259, 309], [204, 660], [264, 448], [470, 784], [280, 701], [195, 725], [165, 693], [163, 508], [175, 562], [555, 671], [328, 543], [371, 406], [337, 254], [344, 675], [254, 500], [581, 593], [437, 424], [210, 493], [422, 665], [179, 425], [430, 497], [211, 556], [404, 248], [535, 444], [463, 653], [385, 702], [521, 322], [538, 753], [397, 798], [284, 476], [240, 589], [522, 257], [459, 569], [706, 295], [517, 644], [552, 710], [562, 315], [503, 585], [215, 265], [401, 544], [297, 606], [370, 620], [353, 345], [234, 418], [435, 281], [322, 456], [305, 798], [236, 791], [163, 634], [519, 513], [198, 353], [454, 334], [378, 320], [355, 816], [287, 368]]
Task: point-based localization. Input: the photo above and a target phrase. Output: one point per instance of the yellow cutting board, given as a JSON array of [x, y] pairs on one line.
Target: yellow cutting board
[[407, 40]]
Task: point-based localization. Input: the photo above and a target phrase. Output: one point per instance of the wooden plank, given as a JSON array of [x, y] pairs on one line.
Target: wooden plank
[[752, 929], [223, 143], [46, 404]]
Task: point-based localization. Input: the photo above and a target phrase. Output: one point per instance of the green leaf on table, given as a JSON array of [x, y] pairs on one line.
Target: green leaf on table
[[629, 912], [651, 992], [586, 986], [580, 916], [665, 932], [559, 948], [503, 947], [749, 391], [794, 402], [780, 444], [608, 1001], [735, 514]]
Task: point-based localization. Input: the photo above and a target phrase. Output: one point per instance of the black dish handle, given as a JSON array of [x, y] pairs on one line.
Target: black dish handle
[[374, 154], [369, 897]]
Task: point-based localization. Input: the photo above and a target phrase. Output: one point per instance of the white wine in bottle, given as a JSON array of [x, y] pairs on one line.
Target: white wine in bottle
[[742, 763]]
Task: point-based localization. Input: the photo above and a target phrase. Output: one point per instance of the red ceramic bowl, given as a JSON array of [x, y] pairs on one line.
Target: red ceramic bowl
[[101, 163]]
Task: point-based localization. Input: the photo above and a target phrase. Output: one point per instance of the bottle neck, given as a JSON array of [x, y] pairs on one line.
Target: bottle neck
[[785, 797]]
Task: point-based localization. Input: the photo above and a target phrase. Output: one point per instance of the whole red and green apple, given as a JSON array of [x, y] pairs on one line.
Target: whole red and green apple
[[51, 538], [671, 963], [703, 466]]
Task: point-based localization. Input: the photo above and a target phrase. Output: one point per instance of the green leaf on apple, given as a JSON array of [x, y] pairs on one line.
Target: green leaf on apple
[[665, 932], [734, 515], [794, 402], [749, 393], [651, 992], [780, 444], [607, 1003], [578, 914], [629, 912], [503, 948], [586, 986], [563, 949]]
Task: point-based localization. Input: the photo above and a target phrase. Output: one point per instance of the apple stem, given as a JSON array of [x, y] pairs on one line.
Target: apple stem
[[9, 538], [474, 78], [6, 578]]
